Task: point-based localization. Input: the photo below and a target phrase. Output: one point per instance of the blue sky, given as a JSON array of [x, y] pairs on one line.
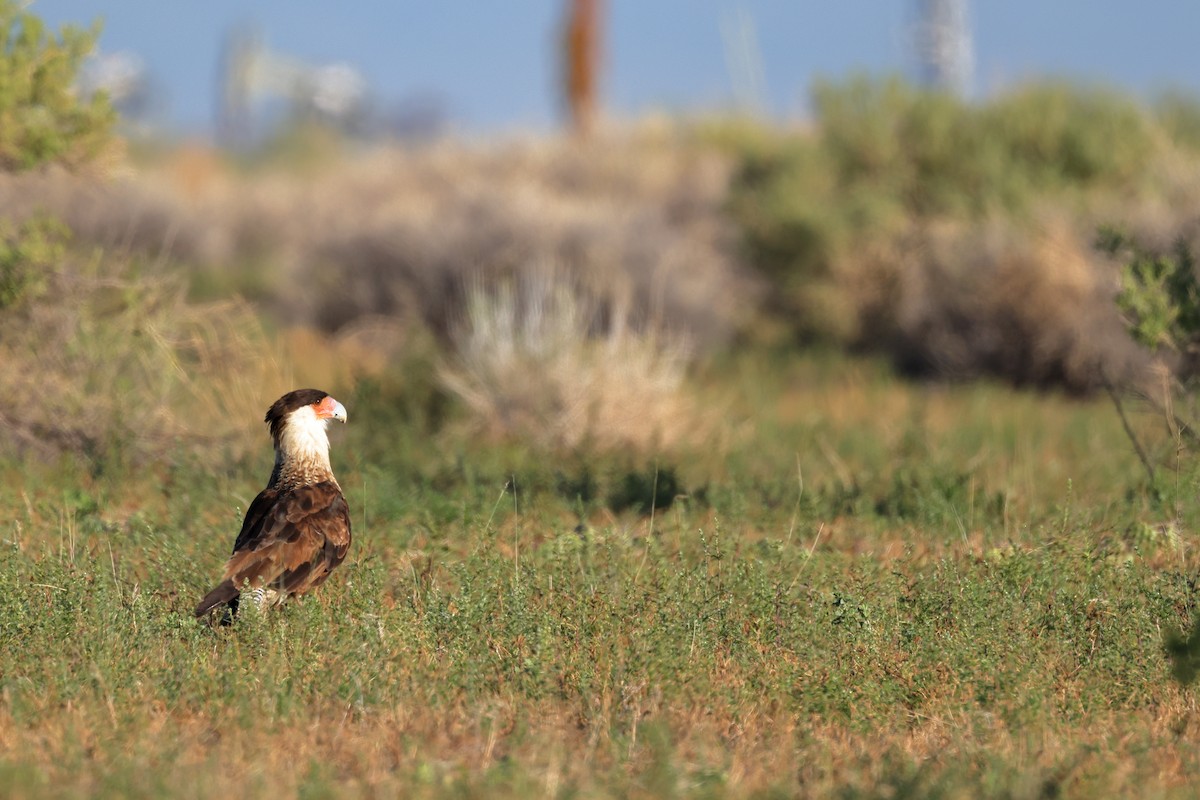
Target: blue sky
[[492, 62]]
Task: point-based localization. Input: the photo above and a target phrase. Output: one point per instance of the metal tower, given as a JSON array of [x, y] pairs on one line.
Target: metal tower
[[943, 45]]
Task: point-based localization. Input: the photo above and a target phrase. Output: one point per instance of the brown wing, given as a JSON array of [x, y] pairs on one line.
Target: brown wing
[[252, 524], [289, 542]]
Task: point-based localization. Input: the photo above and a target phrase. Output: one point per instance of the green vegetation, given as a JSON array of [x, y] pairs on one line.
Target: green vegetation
[[882, 588], [1159, 299], [1160, 293], [27, 259], [941, 233], [885, 154], [41, 119]]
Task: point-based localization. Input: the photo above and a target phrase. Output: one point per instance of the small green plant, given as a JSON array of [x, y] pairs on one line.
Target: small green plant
[[1183, 651], [41, 117], [27, 255], [1160, 294], [1159, 300]]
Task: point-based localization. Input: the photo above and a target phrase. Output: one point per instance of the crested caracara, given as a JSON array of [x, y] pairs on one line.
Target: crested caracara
[[298, 528]]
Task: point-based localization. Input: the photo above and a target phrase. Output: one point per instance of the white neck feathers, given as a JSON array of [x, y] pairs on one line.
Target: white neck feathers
[[302, 450]]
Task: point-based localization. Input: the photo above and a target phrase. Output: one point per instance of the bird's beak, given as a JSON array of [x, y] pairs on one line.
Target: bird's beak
[[330, 409]]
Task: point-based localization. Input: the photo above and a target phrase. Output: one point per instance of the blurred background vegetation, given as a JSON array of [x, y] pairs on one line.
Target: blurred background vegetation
[[585, 296], [533, 276]]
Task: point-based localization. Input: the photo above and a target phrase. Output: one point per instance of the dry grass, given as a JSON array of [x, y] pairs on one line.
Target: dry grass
[[1032, 303], [541, 361], [353, 258], [368, 348], [637, 219], [412, 752], [118, 369]]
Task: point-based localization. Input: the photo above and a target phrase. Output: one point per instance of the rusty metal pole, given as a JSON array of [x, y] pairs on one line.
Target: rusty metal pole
[[581, 64]]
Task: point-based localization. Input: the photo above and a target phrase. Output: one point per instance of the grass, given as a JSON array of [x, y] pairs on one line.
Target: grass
[[540, 361], [876, 588]]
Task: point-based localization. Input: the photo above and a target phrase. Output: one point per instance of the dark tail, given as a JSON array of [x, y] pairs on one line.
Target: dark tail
[[225, 592]]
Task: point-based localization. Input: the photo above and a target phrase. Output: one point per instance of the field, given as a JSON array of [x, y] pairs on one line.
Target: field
[[708, 459], [876, 588]]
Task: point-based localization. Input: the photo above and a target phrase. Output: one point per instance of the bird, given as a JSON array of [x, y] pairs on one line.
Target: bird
[[297, 530]]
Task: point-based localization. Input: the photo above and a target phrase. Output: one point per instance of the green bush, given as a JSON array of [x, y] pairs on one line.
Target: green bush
[[947, 233], [1060, 138], [26, 257], [1179, 116], [911, 151], [885, 153], [1159, 301], [1160, 294], [41, 118]]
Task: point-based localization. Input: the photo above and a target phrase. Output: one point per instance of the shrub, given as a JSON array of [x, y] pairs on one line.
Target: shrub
[[946, 233], [1057, 138], [1159, 300], [537, 360], [912, 151], [116, 369], [41, 118], [1160, 294], [969, 299], [884, 154], [398, 232], [1179, 115], [27, 255], [638, 225]]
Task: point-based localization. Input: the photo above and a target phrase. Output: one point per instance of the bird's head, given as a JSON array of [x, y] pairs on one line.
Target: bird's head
[[300, 417]]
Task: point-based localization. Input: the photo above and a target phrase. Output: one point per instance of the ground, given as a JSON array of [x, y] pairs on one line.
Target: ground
[[869, 587]]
